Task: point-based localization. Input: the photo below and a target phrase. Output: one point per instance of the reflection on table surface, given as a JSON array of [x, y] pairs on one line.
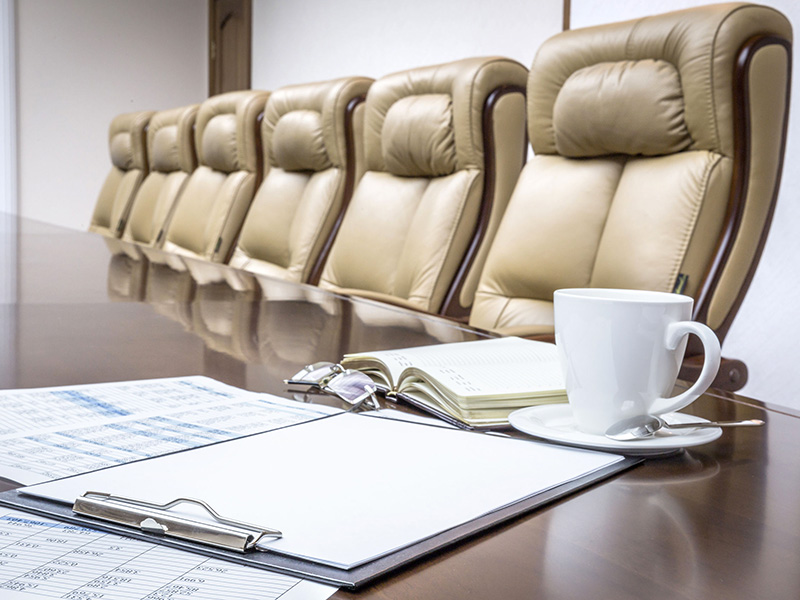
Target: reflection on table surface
[[716, 521]]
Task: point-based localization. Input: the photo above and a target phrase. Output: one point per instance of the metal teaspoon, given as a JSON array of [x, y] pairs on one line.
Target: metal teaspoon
[[645, 426]]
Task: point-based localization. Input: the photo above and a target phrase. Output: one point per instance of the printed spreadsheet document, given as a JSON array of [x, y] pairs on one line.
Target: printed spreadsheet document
[[44, 558], [48, 433]]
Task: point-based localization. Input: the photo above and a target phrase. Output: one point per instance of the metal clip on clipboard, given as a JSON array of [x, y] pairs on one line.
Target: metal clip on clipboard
[[155, 518]]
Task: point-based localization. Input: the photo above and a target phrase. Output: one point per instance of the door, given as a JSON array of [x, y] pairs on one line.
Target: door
[[229, 36]]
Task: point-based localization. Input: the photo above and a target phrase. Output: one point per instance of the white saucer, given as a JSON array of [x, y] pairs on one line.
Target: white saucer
[[554, 422]]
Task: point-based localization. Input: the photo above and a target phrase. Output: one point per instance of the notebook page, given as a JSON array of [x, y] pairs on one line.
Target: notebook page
[[508, 380], [502, 366]]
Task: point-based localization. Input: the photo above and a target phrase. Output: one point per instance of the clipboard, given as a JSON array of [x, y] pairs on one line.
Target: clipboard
[[309, 568], [222, 532]]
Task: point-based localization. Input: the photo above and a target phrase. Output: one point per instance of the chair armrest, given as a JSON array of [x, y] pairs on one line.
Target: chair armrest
[[731, 377]]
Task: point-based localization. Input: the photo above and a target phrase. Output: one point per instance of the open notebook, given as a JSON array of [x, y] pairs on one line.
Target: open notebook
[[473, 383]]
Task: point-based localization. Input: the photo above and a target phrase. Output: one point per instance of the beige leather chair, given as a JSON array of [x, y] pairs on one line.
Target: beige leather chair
[[659, 145], [444, 145], [212, 206], [310, 154], [170, 148], [126, 140]]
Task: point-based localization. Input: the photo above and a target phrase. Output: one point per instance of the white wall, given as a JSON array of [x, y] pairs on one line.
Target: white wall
[[766, 331], [8, 134], [81, 62], [310, 40], [8, 194], [8, 184]]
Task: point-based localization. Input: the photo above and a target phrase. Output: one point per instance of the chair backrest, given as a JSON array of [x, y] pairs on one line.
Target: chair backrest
[[659, 145], [170, 148], [310, 154], [434, 186], [213, 204], [128, 149]]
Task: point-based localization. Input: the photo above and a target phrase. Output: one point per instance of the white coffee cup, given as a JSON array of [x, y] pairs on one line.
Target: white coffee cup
[[621, 351]]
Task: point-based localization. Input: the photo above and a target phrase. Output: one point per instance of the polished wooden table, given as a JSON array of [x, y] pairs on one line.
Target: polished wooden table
[[716, 521]]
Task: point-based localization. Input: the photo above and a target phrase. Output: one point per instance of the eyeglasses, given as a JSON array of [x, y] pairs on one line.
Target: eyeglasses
[[354, 387]]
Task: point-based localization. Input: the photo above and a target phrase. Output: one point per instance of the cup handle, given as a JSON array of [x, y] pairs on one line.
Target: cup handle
[[674, 335]]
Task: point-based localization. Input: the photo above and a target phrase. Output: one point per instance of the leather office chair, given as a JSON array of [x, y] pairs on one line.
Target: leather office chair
[[212, 206], [659, 145], [128, 149], [310, 154], [170, 146], [443, 146]]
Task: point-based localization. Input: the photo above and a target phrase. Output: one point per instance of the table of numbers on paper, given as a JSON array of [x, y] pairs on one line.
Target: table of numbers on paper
[[47, 559]]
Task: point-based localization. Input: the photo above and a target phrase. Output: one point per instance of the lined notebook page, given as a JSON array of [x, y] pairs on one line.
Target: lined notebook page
[[502, 366]]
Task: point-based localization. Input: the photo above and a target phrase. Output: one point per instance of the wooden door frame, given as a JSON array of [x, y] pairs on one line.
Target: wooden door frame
[[212, 44]]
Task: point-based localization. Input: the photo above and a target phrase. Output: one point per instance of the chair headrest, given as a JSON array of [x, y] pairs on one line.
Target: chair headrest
[[644, 86], [170, 140], [418, 136], [625, 107], [428, 121], [298, 142], [126, 140], [303, 124], [225, 133]]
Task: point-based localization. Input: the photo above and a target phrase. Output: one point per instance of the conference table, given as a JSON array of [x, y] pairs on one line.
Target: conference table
[[721, 520]]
